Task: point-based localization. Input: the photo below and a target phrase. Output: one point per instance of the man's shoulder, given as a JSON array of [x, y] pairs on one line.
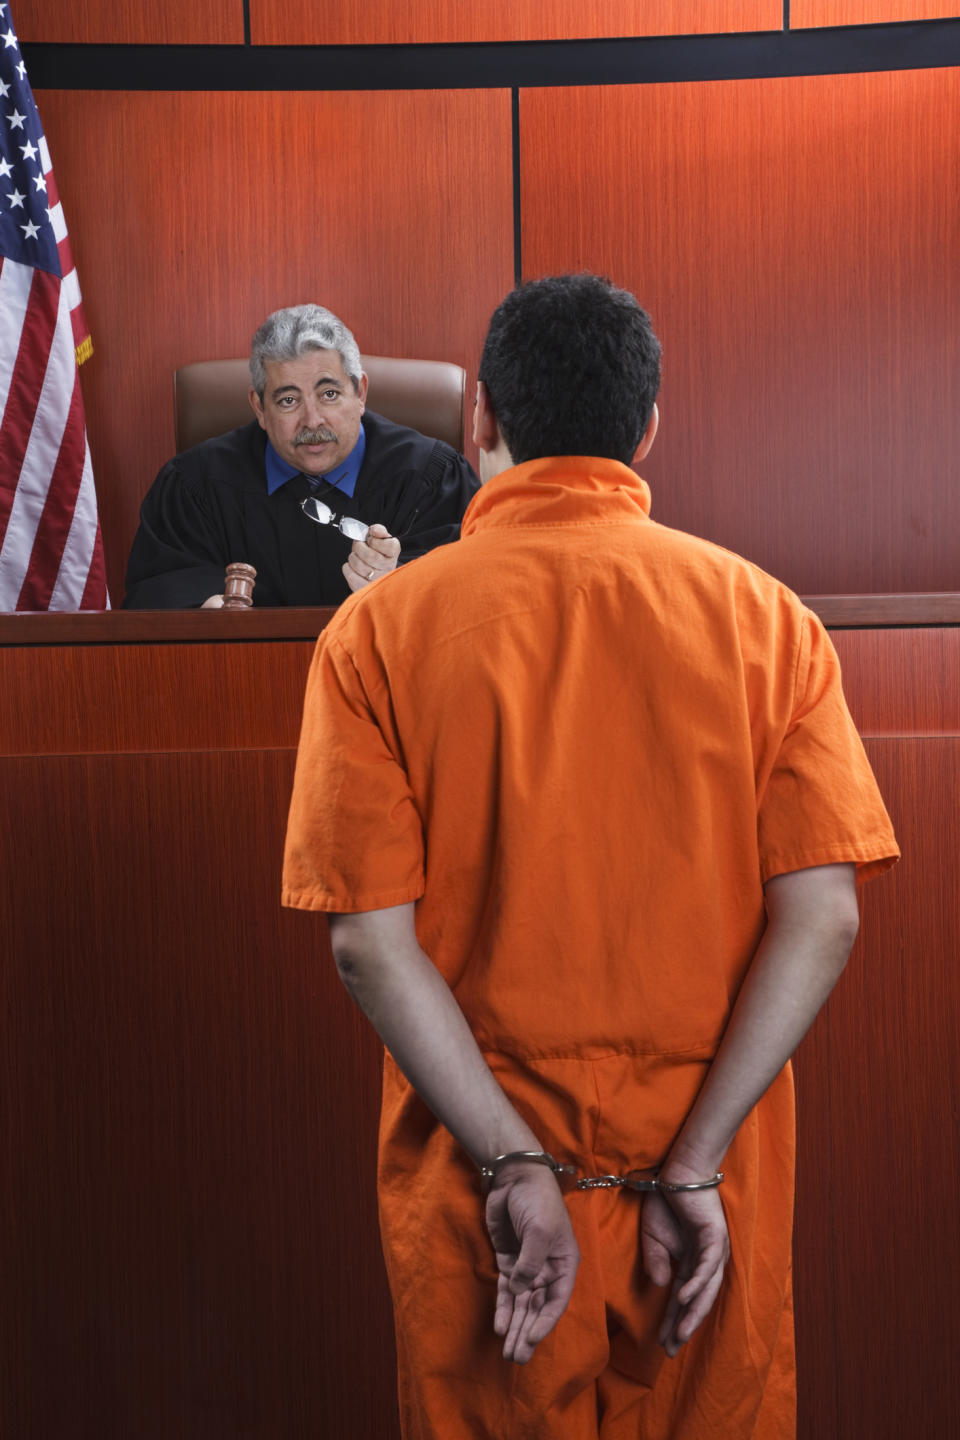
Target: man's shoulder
[[228, 458], [725, 572], [400, 445]]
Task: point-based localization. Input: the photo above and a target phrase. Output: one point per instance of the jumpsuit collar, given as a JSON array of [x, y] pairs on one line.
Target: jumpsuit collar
[[559, 490]]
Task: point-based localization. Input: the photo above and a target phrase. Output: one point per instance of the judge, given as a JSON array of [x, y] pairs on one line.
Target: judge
[[319, 494]]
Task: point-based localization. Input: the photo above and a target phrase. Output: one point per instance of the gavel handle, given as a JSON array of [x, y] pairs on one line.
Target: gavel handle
[[238, 589]]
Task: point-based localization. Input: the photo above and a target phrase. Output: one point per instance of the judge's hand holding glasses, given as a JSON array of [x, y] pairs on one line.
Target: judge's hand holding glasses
[[374, 551]]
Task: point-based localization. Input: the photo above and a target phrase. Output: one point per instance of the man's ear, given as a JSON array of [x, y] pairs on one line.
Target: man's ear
[[362, 390], [648, 437], [486, 431], [256, 405]]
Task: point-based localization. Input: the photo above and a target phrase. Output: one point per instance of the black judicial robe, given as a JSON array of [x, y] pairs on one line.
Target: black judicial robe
[[209, 507]]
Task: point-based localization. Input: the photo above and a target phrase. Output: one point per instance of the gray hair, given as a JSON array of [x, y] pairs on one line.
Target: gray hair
[[285, 335]]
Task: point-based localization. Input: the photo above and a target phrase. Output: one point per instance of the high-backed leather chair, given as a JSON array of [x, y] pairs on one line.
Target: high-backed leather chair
[[211, 396]]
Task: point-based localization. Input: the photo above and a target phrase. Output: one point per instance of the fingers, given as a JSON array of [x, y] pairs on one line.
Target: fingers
[[656, 1260], [696, 1310], [213, 602], [687, 1236], [373, 557], [529, 1305], [526, 1319], [661, 1239], [354, 579], [382, 542], [693, 1295], [537, 1256], [712, 1258], [680, 1320], [503, 1312]]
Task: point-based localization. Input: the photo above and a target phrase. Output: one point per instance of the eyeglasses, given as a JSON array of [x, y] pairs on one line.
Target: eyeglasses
[[321, 514]]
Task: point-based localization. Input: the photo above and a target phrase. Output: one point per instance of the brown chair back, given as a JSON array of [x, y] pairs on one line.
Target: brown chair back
[[210, 397]]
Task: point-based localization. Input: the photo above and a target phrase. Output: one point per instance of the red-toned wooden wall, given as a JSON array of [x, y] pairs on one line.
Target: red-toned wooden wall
[[189, 1101], [212, 209], [298, 22], [867, 12], [877, 1251], [807, 303], [107, 22], [795, 241]]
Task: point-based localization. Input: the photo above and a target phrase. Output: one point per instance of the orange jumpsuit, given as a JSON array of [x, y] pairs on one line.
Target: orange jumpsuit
[[581, 741]]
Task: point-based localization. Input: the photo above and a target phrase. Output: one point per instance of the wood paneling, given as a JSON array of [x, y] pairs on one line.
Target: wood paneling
[[431, 21], [805, 13], [936, 608], [878, 1258], [104, 22], [188, 1106], [116, 698], [877, 1254], [901, 682], [188, 1101], [795, 242], [126, 627], [393, 209]]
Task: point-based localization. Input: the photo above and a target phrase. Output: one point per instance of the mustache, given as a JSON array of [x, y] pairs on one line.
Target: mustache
[[320, 436]]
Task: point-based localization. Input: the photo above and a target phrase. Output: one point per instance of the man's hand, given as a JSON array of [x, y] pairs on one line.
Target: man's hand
[[537, 1256], [417, 1017], [684, 1239], [212, 602], [371, 558]]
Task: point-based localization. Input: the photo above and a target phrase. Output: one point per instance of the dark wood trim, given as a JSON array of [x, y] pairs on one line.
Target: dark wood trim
[[501, 65], [852, 612], [164, 627], [138, 627]]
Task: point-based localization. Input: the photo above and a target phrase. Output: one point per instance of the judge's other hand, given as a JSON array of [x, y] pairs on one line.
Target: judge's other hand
[[371, 558], [685, 1244], [537, 1256], [213, 602]]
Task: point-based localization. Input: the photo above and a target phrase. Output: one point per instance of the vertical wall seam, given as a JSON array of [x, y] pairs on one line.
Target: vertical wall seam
[[515, 129]]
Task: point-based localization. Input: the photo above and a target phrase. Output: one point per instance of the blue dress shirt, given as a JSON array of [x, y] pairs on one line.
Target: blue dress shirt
[[344, 477]]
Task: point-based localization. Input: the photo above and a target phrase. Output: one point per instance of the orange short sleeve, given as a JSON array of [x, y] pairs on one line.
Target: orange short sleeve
[[821, 804], [354, 835]]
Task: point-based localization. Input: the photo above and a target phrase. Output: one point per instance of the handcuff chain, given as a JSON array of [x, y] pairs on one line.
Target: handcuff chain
[[632, 1181], [599, 1182]]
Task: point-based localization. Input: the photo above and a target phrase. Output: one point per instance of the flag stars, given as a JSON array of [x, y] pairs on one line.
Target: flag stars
[[40, 183], [5, 167], [15, 199], [4, 89], [16, 120], [9, 40], [21, 69], [29, 151], [30, 230]]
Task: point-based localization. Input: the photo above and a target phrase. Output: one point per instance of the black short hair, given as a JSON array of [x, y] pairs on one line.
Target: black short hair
[[572, 367]]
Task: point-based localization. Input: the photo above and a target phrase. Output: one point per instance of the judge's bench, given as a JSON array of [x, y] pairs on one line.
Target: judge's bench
[[189, 1237]]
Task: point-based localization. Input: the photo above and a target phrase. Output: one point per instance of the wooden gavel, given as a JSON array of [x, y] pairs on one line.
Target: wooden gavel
[[238, 590]]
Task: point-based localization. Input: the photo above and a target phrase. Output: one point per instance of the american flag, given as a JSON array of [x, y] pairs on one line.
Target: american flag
[[51, 553]]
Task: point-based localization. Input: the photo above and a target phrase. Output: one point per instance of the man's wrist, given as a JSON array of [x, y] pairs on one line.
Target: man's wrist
[[687, 1164], [491, 1169]]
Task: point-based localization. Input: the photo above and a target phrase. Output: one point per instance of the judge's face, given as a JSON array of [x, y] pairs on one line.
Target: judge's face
[[310, 410]]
